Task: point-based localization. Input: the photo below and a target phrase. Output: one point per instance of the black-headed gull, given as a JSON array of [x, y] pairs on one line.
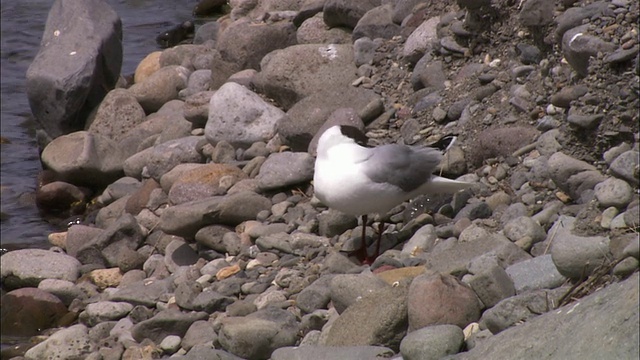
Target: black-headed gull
[[358, 180]]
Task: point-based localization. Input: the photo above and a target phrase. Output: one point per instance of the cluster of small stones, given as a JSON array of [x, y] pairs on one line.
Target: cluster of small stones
[[208, 242]]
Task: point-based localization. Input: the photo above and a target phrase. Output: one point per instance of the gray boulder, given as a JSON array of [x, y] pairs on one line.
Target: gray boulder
[[245, 43], [78, 62], [27, 267], [290, 74], [83, 158], [118, 113], [240, 117], [603, 325]]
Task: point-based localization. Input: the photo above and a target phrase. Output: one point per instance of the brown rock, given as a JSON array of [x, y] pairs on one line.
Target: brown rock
[[147, 66], [204, 181], [104, 278], [439, 299], [140, 198], [27, 311]]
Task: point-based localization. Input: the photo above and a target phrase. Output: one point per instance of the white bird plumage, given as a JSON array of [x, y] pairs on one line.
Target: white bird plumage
[[358, 180], [352, 178]]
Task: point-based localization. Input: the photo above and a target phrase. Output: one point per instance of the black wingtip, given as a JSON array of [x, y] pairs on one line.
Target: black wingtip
[[355, 134], [445, 143]]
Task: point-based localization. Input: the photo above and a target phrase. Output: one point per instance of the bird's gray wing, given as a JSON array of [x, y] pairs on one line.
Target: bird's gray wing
[[400, 165]]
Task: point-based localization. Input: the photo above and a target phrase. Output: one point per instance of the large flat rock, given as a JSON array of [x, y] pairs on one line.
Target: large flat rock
[[603, 325]]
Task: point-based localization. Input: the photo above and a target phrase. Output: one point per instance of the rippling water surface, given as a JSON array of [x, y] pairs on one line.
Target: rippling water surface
[[22, 26]]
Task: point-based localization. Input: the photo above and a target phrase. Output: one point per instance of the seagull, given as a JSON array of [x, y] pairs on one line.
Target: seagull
[[359, 180]]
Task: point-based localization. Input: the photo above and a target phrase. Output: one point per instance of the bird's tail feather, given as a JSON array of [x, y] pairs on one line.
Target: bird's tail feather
[[438, 184]]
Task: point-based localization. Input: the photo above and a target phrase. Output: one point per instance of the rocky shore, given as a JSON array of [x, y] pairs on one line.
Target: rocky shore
[[196, 234]]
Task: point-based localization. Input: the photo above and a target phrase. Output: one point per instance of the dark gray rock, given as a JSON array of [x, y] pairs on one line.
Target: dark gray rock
[[346, 13], [432, 342], [285, 169], [576, 256], [512, 311], [83, 158], [69, 343], [160, 87], [613, 192], [187, 218], [145, 293], [315, 296], [27, 267], [77, 63], [167, 322], [290, 74], [600, 325], [625, 166], [199, 333], [158, 160], [318, 352], [357, 326], [377, 23], [257, 335], [245, 43], [346, 290], [534, 274], [578, 47]]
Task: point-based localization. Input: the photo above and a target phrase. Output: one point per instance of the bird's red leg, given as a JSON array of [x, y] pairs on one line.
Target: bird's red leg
[[377, 253], [362, 253]]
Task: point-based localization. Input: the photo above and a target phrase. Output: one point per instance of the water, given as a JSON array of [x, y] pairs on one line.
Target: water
[[22, 25]]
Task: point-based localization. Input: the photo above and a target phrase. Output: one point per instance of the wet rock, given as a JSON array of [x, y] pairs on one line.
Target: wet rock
[[61, 197], [67, 66], [344, 13], [27, 311]]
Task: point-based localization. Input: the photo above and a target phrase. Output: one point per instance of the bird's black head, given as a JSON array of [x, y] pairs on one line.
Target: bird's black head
[[355, 134]]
